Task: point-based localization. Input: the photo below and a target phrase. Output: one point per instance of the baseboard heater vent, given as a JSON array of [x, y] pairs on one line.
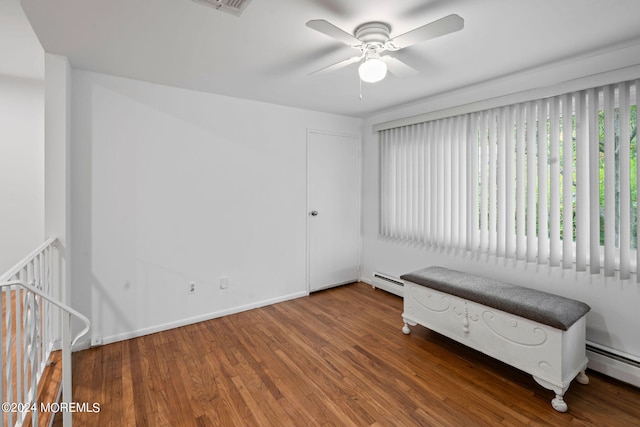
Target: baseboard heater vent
[[614, 356], [386, 278], [624, 367]]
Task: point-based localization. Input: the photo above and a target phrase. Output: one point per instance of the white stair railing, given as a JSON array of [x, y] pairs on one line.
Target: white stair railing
[[35, 322]]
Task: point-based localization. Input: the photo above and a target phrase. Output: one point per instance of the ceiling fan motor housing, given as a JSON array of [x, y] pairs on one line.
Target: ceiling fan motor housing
[[373, 32]]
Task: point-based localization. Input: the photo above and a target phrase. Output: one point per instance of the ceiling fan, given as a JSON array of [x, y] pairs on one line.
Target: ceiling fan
[[372, 39]]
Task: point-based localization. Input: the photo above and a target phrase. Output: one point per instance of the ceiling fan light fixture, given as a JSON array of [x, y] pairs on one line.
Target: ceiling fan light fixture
[[373, 69]]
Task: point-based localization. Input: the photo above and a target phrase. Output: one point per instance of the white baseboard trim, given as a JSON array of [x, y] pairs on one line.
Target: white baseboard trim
[[191, 320], [82, 345]]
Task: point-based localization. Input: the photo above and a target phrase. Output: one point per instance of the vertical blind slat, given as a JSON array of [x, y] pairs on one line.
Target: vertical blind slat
[[386, 178], [532, 245], [582, 183], [447, 182], [501, 182], [389, 176], [397, 189], [637, 94], [473, 199], [427, 181], [463, 179], [422, 201], [382, 182], [510, 146], [406, 183], [403, 183], [408, 167], [484, 183], [397, 185], [435, 190], [521, 248], [543, 222], [416, 208], [554, 190], [625, 190], [609, 182], [567, 181], [440, 182], [492, 165], [455, 182], [594, 182]]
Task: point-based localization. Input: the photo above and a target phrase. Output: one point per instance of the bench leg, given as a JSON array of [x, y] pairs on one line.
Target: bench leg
[[405, 328], [559, 404], [582, 378]]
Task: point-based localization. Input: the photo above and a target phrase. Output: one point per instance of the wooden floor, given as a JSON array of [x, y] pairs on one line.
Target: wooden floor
[[335, 358]]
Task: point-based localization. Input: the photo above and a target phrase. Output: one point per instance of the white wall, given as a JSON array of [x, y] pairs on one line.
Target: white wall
[[21, 168], [170, 186], [613, 320]]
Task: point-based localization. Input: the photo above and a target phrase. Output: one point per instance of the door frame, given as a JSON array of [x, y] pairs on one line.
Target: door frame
[[358, 137]]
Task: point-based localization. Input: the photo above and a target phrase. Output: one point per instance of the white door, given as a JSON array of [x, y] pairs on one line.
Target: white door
[[333, 209]]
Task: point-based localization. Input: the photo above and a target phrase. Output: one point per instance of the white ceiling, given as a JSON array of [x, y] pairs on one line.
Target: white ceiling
[[267, 53]]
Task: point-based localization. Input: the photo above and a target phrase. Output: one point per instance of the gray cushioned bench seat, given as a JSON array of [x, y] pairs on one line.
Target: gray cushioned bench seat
[[542, 307]]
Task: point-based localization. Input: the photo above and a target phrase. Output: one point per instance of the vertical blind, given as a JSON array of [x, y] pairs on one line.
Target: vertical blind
[[553, 180]]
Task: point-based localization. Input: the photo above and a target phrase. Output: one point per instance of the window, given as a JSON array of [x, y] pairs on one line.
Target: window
[[551, 180]]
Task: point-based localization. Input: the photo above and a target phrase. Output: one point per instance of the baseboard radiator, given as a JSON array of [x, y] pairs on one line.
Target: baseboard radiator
[[388, 283], [614, 363]]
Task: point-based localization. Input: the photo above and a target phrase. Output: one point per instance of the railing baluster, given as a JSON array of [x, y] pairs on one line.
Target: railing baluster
[[26, 337], [66, 365], [3, 300], [9, 349]]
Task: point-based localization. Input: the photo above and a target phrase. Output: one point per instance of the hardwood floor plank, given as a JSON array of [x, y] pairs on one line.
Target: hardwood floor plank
[[294, 415], [145, 408], [127, 405], [111, 377], [335, 358]]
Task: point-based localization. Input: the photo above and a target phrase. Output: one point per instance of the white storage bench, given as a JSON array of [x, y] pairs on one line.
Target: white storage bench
[[537, 332]]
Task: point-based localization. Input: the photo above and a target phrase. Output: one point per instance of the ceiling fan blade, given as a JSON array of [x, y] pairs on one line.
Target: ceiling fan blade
[[332, 31], [398, 68], [448, 24], [337, 65]]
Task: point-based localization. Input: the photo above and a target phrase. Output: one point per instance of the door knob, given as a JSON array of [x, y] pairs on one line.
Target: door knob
[[313, 213]]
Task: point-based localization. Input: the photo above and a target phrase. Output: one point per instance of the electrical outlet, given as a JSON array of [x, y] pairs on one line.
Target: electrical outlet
[[96, 341], [191, 288], [224, 282]]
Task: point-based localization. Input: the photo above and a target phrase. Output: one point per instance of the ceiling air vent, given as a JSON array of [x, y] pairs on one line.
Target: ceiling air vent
[[234, 7]]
